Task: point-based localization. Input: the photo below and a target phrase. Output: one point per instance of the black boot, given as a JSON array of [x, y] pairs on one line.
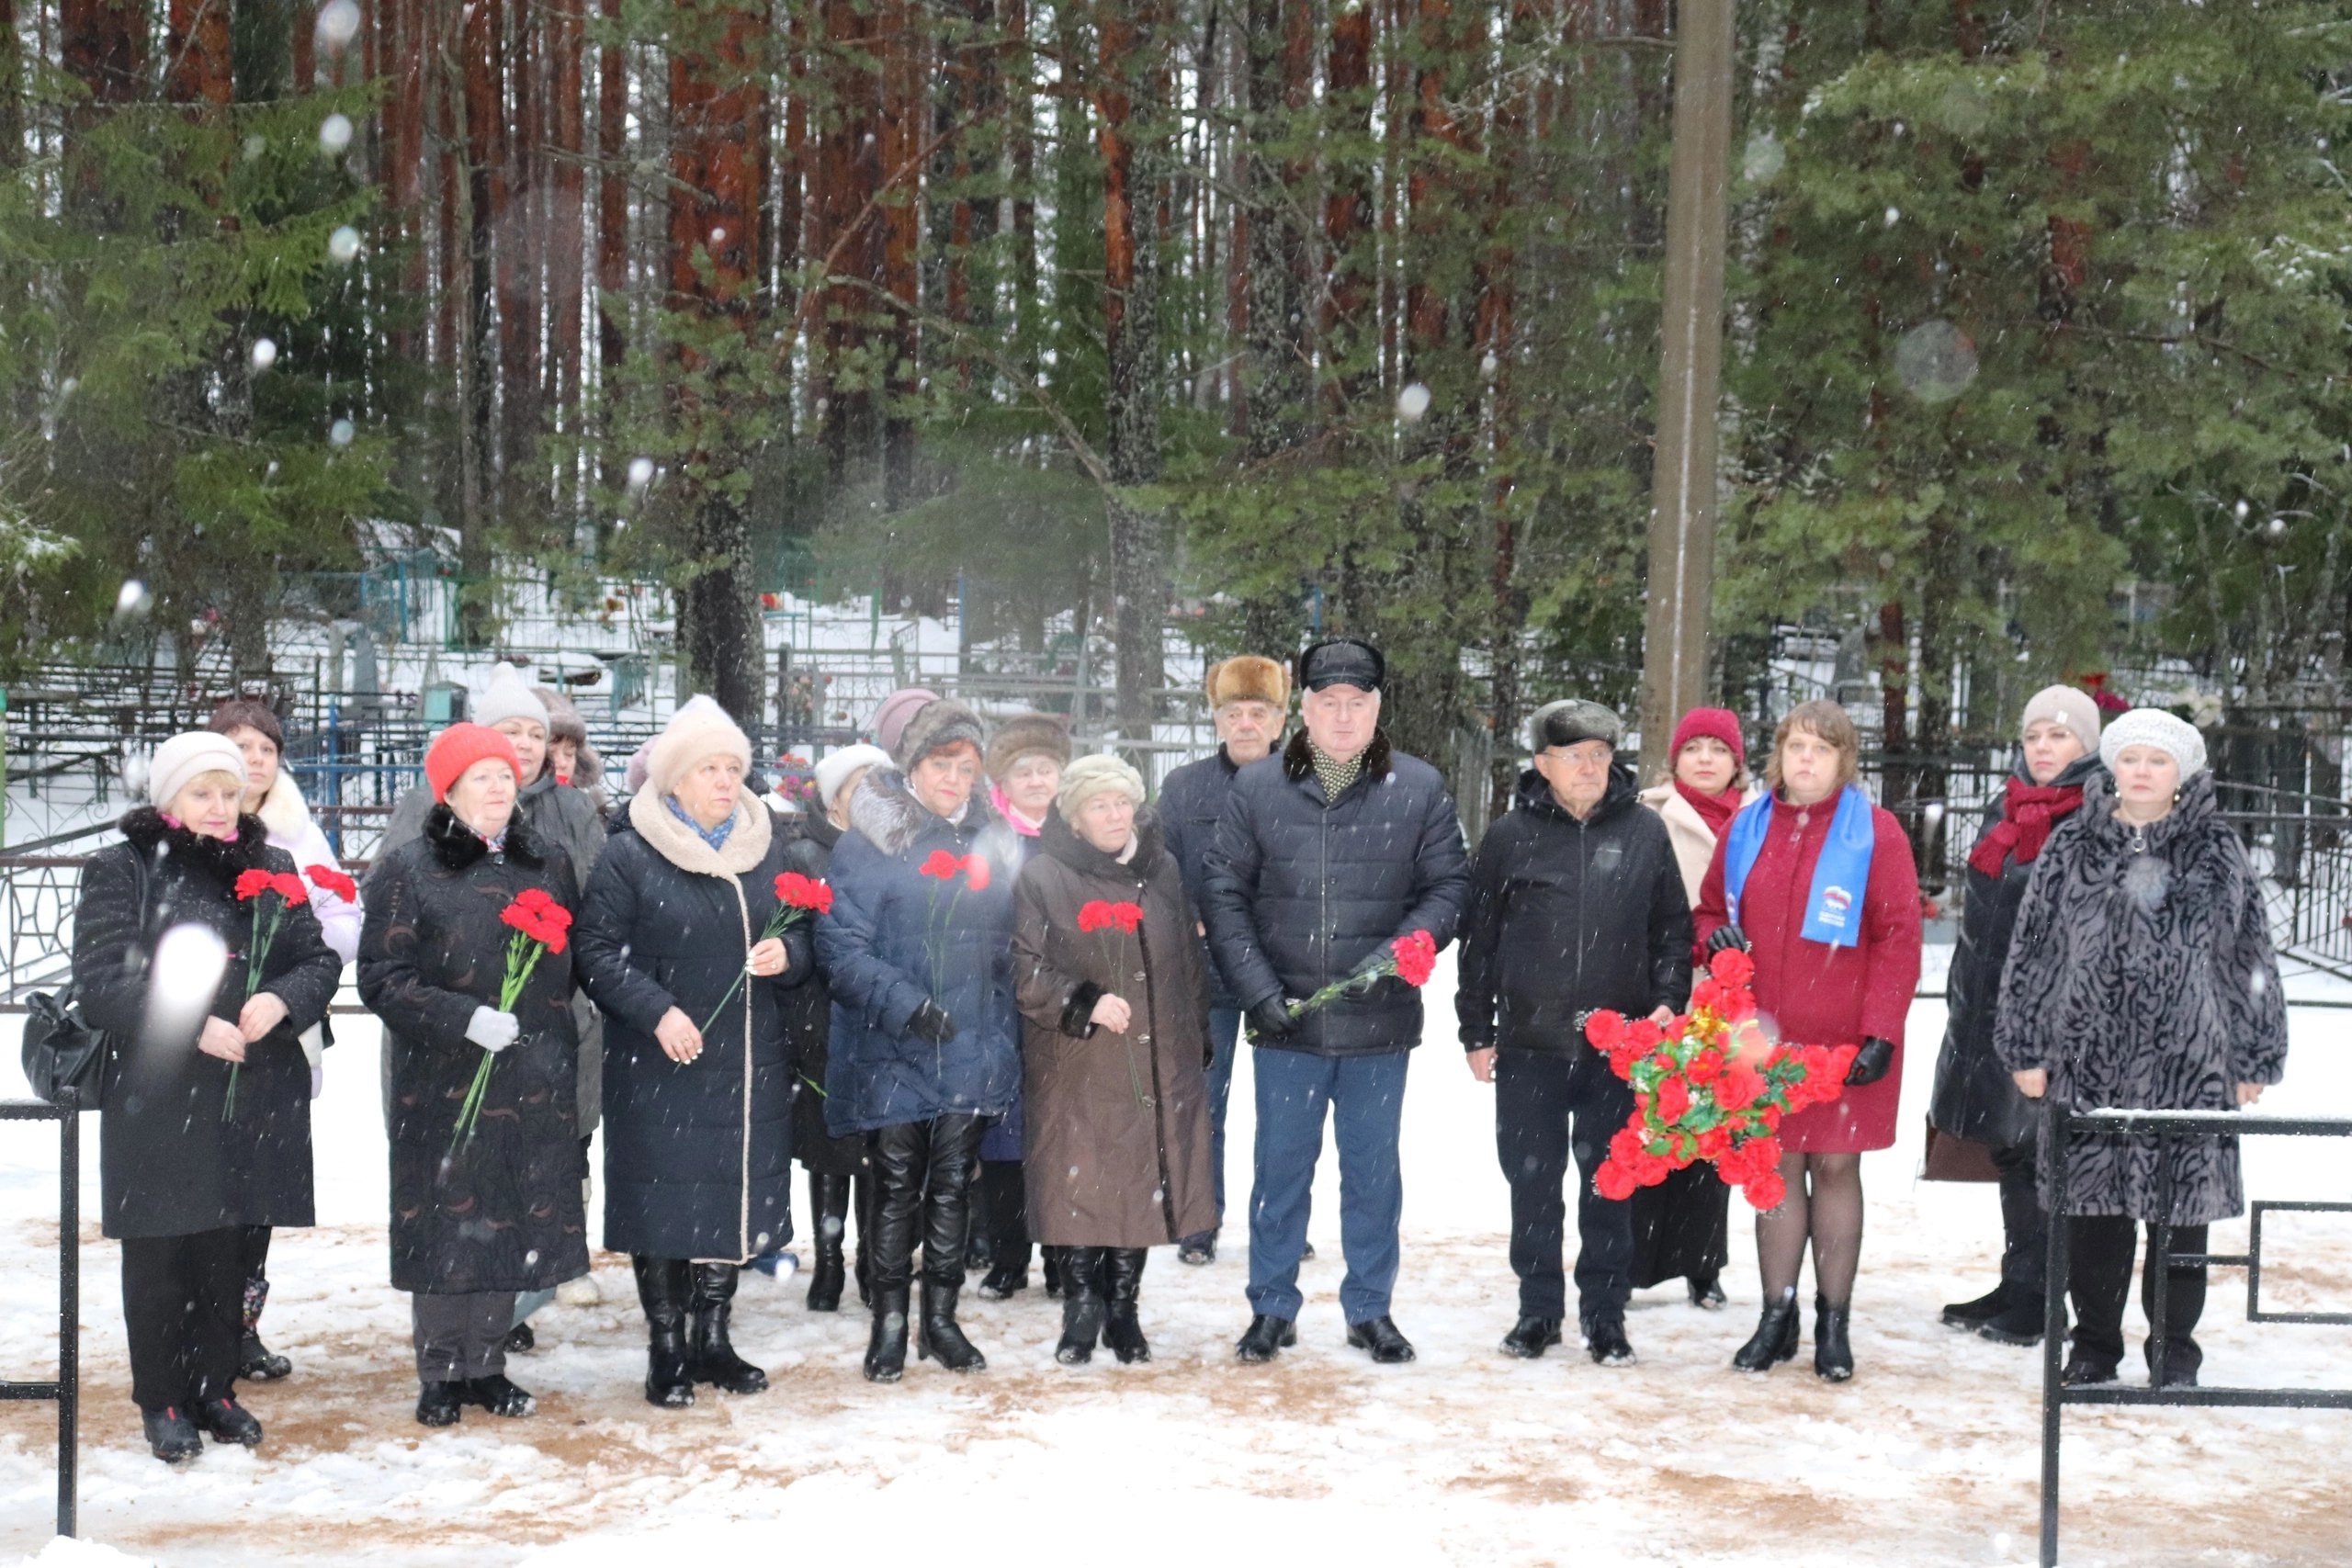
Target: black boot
[[256, 1361], [867, 1195], [2019, 1323], [1707, 1291], [1531, 1336], [171, 1436], [1009, 1272], [440, 1404], [940, 1337], [714, 1358], [1083, 1307], [664, 1286], [1979, 1312], [886, 1349], [829, 1197], [496, 1394], [1123, 1266], [1775, 1338], [1833, 1358], [900, 1154], [1056, 1263], [228, 1422]]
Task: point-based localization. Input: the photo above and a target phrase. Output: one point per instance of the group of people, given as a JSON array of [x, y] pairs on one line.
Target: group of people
[[989, 996]]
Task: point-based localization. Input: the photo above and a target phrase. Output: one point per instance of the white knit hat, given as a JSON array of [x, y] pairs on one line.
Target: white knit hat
[[699, 728], [180, 760], [2068, 709], [2154, 726], [839, 768], [507, 697], [1092, 775]]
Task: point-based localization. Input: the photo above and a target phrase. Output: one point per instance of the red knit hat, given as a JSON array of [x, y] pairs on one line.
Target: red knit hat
[[460, 747], [1720, 724]]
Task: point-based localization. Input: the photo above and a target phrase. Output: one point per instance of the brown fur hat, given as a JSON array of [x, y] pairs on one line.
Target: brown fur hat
[[1246, 678], [1024, 734]]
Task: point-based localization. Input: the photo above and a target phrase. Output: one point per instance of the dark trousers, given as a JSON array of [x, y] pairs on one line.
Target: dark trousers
[[2025, 1229], [182, 1311], [2099, 1249], [924, 1171], [1548, 1107], [462, 1334], [255, 1248], [1003, 1207], [1225, 1031]]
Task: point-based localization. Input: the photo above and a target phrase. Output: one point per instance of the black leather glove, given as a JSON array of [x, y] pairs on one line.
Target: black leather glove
[[1727, 936], [1870, 1062], [932, 1025], [1271, 1019]]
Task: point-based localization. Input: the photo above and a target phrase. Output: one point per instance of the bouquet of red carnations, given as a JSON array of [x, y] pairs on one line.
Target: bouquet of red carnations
[[541, 925], [253, 887], [1711, 1084], [798, 899], [1410, 958]]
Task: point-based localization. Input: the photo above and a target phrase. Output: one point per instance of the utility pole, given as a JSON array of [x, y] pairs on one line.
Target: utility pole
[[1682, 515]]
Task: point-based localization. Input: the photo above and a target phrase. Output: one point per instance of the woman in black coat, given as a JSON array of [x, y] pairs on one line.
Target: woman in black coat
[[185, 1162], [698, 1070], [477, 1216]]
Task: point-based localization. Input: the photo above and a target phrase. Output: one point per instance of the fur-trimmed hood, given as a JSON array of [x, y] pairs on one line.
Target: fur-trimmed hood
[[283, 810], [457, 846], [222, 860], [885, 810], [746, 845], [1298, 757]]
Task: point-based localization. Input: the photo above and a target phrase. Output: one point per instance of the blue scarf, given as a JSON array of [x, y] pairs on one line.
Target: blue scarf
[[715, 836], [1839, 876]]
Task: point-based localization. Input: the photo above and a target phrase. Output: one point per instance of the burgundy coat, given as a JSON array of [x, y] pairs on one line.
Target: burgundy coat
[[1820, 995]]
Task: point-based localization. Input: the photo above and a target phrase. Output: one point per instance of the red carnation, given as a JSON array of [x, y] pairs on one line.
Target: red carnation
[[1625, 1144], [1126, 917], [535, 898], [290, 887], [1732, 966], [1673, 1099], [1714, 1143], [1416, 957], [252, 884], [1737, 1088], [977, 872], [941, 866], [1605, 1028], [1764, 1191], [800, 892], [1641, 1032], [327, 879], [1705, 1066], [1094, 915], [1613, 1181]]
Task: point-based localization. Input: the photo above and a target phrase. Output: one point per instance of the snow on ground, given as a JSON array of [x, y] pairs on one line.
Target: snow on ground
[[1930, 1456]]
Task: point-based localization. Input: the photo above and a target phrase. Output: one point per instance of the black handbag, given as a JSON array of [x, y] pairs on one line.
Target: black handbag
[[60, 1049]]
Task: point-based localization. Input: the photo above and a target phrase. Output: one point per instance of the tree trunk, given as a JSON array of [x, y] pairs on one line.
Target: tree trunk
[[902, 144], [611, 198], [567, 228]]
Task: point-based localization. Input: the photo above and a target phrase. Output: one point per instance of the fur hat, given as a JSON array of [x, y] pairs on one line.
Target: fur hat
[[1246, 678], [2155, 727], [935, 726], [506, 697], [460, 747], [2068, 709], [1027, 735], [699, 728], [247, 713], [1572, 720], [838, 767], [900, 707], [184, 759], [1091, 775], [564, 723]]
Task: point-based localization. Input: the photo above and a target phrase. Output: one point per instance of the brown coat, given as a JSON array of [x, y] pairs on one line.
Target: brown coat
[[1118, 1145]]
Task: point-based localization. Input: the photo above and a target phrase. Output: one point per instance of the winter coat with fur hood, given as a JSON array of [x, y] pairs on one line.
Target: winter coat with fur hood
[[2141, 976], [288, 817], [898, 938], [698, 1155], [172, 1159]]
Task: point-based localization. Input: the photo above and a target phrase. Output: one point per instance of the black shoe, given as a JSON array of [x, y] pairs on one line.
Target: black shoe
[[939, 1338], [1197, 1250], [171, 1436], [664, 1287], [1775, 1338], [1379, 1335], [1083, 1308], [1833, 1358], [829, 1196], [1010, 1275], [2083, 1369], [1605, 1342], [226, 1421], [1531, 1336], [257, 1362], [886, 1349], [2178, 1376], [1121, 1330], [1707, 1292], [2019, 1323], [712, 1356], [1265, 1339], [520, 1339], [1979, 1312], [1307, 1253], [440, 1404], [498, 1397]]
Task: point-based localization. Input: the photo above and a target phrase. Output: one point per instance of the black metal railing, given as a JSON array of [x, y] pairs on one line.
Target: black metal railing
[[2167, 1127], [67, 1388]]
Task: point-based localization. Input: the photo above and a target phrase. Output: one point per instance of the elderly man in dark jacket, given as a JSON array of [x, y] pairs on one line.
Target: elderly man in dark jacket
[[1577, 904], [1249, 699], [1325, 856]]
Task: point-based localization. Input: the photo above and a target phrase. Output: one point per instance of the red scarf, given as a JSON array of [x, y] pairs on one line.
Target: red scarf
[[1715, 810], [2028, 813]]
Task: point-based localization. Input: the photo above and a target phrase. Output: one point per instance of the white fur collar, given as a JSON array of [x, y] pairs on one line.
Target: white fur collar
[[283, 810]]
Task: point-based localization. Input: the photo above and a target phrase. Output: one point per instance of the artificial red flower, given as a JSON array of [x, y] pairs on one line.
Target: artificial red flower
[[1643, 1033], [1705, 1066], [1732, 966], [1613, 1181], [1764, 1191], [1672, 1101], [1605, 1028], [1714, 1143], [327, 879], [1625, 1142], [1737, 1088]]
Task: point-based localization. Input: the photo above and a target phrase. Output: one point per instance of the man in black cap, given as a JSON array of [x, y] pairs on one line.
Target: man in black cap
[[1577, 904], [1324, 855]]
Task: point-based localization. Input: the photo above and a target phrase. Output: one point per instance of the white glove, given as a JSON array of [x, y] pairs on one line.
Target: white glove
[[494, 1030]]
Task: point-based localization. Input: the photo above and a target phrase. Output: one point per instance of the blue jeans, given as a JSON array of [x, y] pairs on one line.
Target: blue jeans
[[1366, 1097], [1225, 1029]]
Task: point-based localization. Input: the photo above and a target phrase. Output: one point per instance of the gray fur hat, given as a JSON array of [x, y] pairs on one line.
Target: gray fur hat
[[934, 728], [1571, 720]]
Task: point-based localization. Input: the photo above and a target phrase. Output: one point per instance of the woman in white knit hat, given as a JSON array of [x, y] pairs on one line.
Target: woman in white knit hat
[[204, 1094], [2141, 976]]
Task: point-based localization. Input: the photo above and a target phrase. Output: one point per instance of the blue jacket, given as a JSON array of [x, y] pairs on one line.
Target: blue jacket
[[896, 938], [1192, 803], [1301, 892]]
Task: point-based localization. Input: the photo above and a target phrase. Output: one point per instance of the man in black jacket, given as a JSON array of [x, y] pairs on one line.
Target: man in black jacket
[[1327, 854], [1575, 905]]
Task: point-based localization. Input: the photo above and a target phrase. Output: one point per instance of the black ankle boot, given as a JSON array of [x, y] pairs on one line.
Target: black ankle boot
[[1008, 1273], [940, 1337], [1055, 1261], [1775, 1338], [1123, 1266], [256, 1361], [1083, 1307], [829, 1197], [1833, 1358], [886, 1349], [713, 1356], [171, 1436], [663, 1285]]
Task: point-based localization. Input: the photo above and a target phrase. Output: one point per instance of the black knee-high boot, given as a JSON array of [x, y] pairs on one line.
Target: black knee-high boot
[[1123, 1274], [1083, 1304], [829, 1197], [715, 1360], [664, 1286]]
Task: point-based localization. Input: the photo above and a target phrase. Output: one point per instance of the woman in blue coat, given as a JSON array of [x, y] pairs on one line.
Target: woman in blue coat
[[698, 1064], [919, 953]]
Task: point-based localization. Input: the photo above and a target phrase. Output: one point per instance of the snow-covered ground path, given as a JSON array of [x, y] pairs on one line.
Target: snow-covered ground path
[[1930, 1456]]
